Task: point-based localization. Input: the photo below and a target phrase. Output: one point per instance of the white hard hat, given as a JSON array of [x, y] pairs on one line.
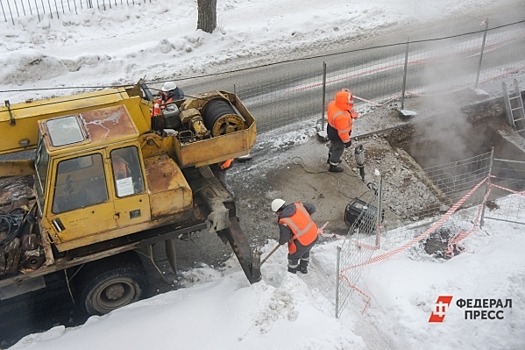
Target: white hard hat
[[277, 204], [168, 86]]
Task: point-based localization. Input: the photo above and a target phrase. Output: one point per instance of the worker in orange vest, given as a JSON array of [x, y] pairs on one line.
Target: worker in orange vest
[[340, 115], [169, 93], [298, 229]]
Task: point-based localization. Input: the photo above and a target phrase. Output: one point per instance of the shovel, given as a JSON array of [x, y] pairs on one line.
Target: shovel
[[320, 231], [270, 253]]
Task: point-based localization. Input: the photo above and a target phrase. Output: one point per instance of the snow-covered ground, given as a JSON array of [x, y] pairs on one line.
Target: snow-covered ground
[[221, 310]]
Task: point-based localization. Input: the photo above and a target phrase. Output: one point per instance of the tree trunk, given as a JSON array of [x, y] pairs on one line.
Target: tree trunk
[[207, 20]]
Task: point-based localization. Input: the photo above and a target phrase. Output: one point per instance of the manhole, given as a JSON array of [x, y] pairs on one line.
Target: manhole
[[439, 244]]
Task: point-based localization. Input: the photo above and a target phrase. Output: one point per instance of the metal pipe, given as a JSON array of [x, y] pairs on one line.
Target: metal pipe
[[482, 50], [324, 96], [405, 69]]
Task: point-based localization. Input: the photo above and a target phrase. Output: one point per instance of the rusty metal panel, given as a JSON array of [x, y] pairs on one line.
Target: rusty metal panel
[[170, 193], [18, 121], [103, 125]]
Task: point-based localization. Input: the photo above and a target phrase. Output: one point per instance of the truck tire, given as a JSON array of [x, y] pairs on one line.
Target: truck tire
[[111, 283]]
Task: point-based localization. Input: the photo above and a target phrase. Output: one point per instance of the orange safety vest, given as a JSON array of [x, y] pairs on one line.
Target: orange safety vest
[[340, 114], [159, 105], [303, 227]]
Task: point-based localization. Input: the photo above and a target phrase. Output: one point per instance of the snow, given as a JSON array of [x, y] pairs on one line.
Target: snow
[[220, 309]]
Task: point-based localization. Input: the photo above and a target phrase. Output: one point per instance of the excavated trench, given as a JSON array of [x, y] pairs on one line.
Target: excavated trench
[[422, 161], [471, 131], [431, 162]]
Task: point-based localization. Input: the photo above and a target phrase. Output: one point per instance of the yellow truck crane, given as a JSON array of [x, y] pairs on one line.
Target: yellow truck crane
[[106, 181]]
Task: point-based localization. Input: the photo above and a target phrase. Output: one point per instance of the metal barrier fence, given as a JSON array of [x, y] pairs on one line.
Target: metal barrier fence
[[293, 91], [475, 182], [13, 10], [508, 177]]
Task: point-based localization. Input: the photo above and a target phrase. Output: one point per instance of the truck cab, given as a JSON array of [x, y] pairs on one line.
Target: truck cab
[[94, 184]]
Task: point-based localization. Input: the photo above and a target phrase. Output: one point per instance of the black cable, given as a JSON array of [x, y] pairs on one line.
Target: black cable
[[337, 179], [7, 224], [10, 224]]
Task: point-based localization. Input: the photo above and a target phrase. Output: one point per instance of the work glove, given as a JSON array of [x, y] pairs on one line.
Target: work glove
[[354, 114], [348, 144]]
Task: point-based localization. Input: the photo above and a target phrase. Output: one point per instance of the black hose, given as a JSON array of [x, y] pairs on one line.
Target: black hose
[[9, 223]]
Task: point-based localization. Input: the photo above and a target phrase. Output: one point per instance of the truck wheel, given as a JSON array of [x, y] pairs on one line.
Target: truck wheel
[[111, 283]]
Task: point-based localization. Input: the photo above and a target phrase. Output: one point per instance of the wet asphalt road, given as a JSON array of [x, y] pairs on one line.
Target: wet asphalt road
[[37, 311]]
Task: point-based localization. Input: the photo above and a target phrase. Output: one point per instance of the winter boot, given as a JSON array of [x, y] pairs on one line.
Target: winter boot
[[335, 168], [292, 270], [303, 267]]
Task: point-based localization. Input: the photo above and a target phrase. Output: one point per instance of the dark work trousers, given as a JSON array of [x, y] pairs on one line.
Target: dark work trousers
[[337, 148], [301, 255]]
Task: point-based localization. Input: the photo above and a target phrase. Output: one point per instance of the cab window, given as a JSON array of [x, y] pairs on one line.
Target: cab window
[[127, 175], [80, 183]]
